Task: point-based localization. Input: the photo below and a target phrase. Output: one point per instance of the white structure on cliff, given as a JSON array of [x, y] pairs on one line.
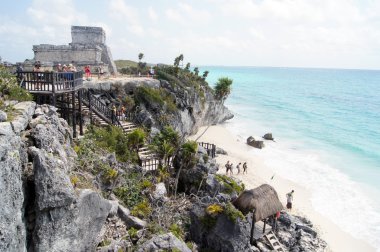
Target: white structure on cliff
[[88, 47]]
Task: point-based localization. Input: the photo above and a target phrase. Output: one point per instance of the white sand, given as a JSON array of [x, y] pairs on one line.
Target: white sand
[[258, 173]]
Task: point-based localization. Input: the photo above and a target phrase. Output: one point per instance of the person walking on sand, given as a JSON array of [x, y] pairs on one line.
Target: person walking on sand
[[289, 200], [227, 166], [238, 168], [245, 168], [231, 167]]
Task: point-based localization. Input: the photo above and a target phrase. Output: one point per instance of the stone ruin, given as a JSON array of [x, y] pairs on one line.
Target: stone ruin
[[88, 47]]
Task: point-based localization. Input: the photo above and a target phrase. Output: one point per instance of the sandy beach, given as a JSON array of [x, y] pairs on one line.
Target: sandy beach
[[258, 173]]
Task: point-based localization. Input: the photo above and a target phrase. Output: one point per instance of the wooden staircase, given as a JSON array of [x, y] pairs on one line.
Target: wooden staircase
[[147, 157], [273, 241]]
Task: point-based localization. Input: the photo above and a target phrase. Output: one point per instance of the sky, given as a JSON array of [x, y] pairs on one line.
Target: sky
[[279, 33]]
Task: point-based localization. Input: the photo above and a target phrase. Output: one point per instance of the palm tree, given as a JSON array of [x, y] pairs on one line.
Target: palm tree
[[136, 138], [205, 73], [196, 71], [141, 56], [223, 88], [188, 150]]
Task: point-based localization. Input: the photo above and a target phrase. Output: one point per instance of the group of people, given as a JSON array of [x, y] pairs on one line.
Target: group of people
[[229, 168], [119, 113], [66, 68]]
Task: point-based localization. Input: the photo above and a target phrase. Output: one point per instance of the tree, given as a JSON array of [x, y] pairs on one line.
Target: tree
[[178, 60], [223, 88], [136, 138], [165, 144], [187, 67], [205, 73], [196, 71], [188, 151], [141, 56]]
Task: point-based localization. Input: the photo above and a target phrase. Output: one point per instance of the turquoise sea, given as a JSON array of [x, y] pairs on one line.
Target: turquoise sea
[[326, 123]]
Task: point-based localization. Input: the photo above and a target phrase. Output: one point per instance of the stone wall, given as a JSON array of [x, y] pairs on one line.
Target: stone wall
[[86, 35], [87, 48]]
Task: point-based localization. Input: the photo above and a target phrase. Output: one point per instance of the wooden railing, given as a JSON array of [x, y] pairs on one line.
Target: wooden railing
[[96, 105], [50, 81], [210, 148]]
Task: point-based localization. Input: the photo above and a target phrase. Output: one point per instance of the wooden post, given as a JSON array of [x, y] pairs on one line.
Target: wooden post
[[73, 114], [80, 113], [265, 223], [53, 76], [252, 240], [89, 106]]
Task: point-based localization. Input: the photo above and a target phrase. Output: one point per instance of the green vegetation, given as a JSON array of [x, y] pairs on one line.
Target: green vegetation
[[113, 139], [125, 63], [208, 221], [214, 209], [132, 232], [177, 231], [130, 193], [165, 144], [10, 90], [229, 184], [155, 99], [135, 139], [142, 209], [233, 213], [223, 88], [188, 151]]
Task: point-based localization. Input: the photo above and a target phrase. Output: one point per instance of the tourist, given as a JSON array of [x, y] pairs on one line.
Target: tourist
[[19, 73], [59, 67], [227, 166], [289, 200], [122, 112], [238, 168], [231, 167], [113, 112], [245, 168], [87, 71], [38, 75]]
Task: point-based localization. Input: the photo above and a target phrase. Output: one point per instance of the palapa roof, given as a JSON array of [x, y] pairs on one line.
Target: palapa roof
[[263, 199]]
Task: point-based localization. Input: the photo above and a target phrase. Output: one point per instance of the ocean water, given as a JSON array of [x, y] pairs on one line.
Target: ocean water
[[326, 123]]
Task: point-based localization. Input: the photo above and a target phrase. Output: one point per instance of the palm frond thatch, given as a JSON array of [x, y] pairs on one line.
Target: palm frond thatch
[[263, 199]]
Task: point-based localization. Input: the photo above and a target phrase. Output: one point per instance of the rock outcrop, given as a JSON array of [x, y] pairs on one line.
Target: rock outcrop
[[164, 242], [192, 110], [268, 136], [255, 143], [40, 210], [13, 159]]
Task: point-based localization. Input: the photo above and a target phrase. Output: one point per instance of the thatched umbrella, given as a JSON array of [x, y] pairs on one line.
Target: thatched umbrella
[[262, 201]]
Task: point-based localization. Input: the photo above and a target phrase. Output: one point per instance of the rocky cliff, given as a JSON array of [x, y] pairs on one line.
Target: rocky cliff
[[40, 210], [185, 108]]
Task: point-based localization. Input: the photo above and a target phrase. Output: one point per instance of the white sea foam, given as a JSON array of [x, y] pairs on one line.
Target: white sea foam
[[333, 194]]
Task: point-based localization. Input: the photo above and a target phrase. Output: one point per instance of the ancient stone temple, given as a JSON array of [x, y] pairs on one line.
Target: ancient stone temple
[[88, 47]]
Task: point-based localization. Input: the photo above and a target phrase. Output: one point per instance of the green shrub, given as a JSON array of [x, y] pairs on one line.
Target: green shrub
[[142, 209], [214, 209], [132, 232], [177, 231], [229, 184], [232, 213], [9, 87], [155, 98]]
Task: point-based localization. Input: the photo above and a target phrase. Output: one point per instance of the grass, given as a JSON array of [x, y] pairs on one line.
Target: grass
[[229, 184], [125, 63]]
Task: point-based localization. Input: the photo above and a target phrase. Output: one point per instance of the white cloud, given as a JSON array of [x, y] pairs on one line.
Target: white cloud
[[152, 14]]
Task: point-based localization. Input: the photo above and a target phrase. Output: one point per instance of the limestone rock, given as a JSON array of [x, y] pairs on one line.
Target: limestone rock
[[25, 111], [114, 208], [132, 221], [3, 116], [73, 227], [6, 129], [123, 212], [160, 192], [12, 228], [53, 186], [224, 235], [164, 242], [254, 143], [221, 151], [268, 136]]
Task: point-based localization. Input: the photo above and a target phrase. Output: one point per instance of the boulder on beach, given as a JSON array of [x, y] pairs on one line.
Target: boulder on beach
[[268, 136], [254, 143]]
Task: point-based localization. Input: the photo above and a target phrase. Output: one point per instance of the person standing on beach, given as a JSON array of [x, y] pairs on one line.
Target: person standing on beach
[[231, 167], [245, 168], [238, 168], [289, 200], [227, 166]]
